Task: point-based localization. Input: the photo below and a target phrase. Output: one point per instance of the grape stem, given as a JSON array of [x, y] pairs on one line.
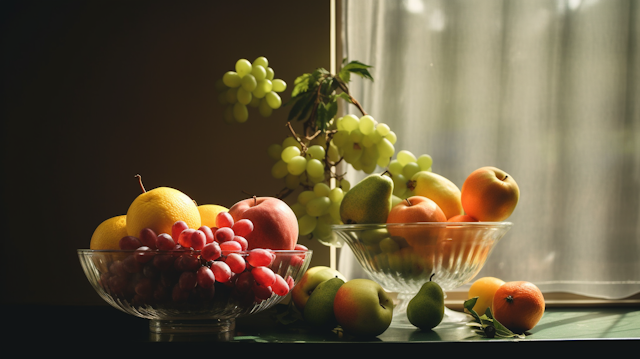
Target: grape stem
[[343, 86], [303, 151], [283, 193], [311, 131]]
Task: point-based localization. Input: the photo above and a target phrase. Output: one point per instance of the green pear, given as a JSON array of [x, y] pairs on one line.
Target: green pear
[[426, 309], [438, 189], [369, 201], [319, 308]]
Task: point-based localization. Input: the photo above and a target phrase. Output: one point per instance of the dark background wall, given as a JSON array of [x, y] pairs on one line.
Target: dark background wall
[[95, 92]]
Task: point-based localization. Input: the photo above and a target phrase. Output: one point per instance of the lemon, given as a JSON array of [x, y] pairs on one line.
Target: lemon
[[159, 209], [108, 234], [484, 288], [208, 213]]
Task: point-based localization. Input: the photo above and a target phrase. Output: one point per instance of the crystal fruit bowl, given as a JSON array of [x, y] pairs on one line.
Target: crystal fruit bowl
[[164, 287], [402, 257]]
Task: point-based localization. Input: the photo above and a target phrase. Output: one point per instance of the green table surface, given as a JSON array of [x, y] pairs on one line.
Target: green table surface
[[51, 328], [556, 324]]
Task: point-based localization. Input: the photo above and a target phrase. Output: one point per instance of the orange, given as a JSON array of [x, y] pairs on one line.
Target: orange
[[159, 209], [518, 305], [208, 213], [484, 288], [108, 234]]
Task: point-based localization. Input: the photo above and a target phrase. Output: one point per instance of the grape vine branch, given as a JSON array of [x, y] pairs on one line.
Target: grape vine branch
[[314, 102]]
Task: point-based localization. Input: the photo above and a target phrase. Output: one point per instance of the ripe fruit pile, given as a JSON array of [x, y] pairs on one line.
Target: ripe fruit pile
[[167, 261], [189, 266]]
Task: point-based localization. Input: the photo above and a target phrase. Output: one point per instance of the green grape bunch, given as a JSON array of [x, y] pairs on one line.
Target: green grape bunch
[[302, 163], [306, 160], [252, 84], [402, 169]]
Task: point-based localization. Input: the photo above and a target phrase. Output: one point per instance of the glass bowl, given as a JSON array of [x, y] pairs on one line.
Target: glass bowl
[[401, 257], [153, 285]]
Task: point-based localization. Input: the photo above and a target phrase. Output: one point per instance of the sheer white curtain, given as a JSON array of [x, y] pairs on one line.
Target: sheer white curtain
[[549, 91]]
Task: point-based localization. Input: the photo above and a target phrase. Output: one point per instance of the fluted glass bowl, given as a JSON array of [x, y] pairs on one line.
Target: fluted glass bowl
[[401, 257], [149, 286]]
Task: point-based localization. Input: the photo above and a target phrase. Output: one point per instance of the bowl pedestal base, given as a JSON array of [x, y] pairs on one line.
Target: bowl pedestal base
[[192, 330]]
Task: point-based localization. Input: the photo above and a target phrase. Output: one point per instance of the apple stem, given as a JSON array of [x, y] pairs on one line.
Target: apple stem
[[140, 182], [408, 202], [255, 200]]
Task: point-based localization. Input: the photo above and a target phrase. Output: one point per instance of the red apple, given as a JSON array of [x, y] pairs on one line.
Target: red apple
[[413, 210], [275, 226], [416, 209], [489, 194], [363, 308]]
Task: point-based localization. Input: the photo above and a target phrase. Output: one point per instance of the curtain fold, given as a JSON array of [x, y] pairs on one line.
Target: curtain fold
[[546, 90]]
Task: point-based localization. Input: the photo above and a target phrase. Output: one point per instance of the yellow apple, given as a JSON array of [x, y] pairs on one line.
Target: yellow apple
[[439, 189]]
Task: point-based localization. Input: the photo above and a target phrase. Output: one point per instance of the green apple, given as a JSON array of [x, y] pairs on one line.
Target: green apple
[[319, 308], [363, 308], [309, 281]]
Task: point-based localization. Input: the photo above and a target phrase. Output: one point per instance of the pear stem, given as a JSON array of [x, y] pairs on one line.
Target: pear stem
[[431, 278], [140, 182]]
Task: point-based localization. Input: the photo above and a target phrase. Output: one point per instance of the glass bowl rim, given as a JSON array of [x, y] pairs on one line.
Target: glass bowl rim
[[155, 251], [422, 224]]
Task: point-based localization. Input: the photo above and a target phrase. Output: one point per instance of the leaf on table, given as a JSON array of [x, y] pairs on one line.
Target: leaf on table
[[486, 324]]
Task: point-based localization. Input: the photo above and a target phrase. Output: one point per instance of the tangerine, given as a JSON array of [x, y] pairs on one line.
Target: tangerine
[[108, 234], [485, 289], [518, 305], [208, 213]]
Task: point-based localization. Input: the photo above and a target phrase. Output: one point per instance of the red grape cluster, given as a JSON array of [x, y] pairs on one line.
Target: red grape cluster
[[201, 264]]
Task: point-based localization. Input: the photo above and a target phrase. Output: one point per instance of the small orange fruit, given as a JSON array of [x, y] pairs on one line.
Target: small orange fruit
[[208, 213], [108, 234], [484, 288], [518, 305]]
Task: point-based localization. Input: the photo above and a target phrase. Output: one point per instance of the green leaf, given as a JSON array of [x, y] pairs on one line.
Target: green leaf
[[490, 327], [345, 97], [355, 67], [301, 84], [326, 112], [302, 106], [345, 75]]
